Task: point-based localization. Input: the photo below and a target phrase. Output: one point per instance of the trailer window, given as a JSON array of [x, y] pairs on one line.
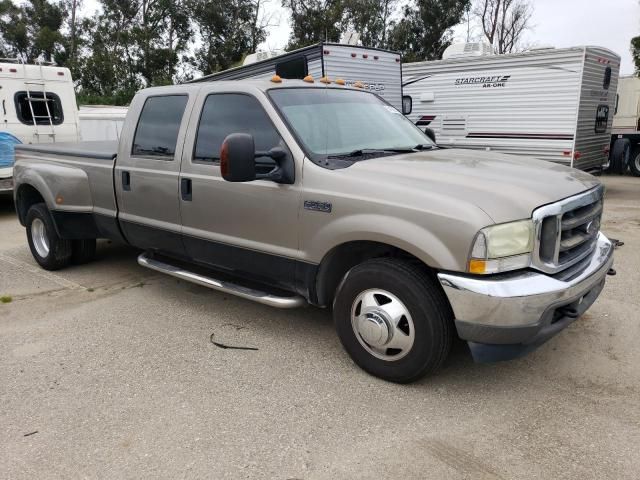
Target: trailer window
[[295, 68], [607, 78], [158, 126], [227, 113], [33, 108]]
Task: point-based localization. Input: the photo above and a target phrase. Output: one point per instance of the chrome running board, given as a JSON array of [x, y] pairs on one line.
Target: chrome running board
[[293, 301]]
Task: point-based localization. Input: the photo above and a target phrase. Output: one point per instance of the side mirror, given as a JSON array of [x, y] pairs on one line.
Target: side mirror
[[431, 134], [237, 158], [238, 161]]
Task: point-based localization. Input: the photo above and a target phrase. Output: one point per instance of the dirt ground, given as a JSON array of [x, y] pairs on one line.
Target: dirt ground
[[107, 371]]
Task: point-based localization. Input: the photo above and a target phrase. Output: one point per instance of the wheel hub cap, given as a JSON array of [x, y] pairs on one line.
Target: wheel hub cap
[[382, 324], [39, 237], [373, 329]]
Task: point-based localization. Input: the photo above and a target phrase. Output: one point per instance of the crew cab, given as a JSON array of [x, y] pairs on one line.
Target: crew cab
[[290, 192]]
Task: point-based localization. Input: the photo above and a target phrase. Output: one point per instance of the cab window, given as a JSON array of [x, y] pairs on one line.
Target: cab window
[[227, 113], [158, 126]]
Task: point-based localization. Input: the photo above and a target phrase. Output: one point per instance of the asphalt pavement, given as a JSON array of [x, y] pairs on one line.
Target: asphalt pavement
[[107, 370]]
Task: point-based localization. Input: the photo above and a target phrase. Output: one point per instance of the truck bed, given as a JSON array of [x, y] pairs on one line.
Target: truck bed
[[103, 150]]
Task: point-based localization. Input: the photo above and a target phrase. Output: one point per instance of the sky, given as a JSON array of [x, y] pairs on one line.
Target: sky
[[557, 23]]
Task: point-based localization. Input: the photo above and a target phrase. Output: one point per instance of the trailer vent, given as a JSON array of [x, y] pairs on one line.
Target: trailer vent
[[454, 126]]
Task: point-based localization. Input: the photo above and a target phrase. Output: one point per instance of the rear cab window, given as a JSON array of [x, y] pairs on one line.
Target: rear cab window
[[158, 127], [227, 113]]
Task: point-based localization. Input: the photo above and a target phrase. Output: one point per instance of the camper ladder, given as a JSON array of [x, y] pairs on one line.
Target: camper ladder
[[31, 100]]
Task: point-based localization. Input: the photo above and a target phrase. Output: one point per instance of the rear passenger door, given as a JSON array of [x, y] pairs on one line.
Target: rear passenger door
[[148, 168]]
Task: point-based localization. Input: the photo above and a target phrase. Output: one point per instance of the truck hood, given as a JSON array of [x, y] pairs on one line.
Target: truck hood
[[505, 187]]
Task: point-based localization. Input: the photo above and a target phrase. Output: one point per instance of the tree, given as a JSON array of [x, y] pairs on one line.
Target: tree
[[424, 31], [635, 52], [228, 30], [31, 31], [314, 21], [371, 19], [504, 22]]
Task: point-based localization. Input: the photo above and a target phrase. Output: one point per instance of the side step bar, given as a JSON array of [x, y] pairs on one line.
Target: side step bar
[[222, 286]]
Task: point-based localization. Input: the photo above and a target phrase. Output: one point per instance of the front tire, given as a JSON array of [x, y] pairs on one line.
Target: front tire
[[48, 249], [393, 319], [634, 162]]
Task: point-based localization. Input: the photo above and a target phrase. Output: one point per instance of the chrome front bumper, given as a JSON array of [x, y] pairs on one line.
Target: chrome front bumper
[[524, 308]]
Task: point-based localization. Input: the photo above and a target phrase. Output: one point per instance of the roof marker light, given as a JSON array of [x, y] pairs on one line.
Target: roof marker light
[[364, 55], [376, 57], [325, 80], [353, 55], [13, 70], [60, 74], [339, 81], [358, 85], [308, 79], [327, 52], [276, 79]]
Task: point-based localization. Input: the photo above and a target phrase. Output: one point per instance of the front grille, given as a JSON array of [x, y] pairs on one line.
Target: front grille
[[567, 231]]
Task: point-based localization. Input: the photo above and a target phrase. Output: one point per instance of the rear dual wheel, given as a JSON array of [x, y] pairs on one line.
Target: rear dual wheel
[[50, 250], [393, 319]]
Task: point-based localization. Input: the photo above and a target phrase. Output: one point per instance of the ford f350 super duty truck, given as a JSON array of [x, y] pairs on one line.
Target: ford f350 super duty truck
[[296, 192]]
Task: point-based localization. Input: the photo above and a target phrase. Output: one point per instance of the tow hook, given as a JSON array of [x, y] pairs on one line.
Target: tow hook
[[611, 272]]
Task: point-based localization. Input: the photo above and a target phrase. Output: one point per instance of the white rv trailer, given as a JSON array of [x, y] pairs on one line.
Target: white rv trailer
[[101, 122], [380, 71], [626, 125], [38, 106], [551, 104]]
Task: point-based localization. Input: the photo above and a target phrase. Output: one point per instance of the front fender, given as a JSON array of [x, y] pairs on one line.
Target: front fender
[[393, 231]]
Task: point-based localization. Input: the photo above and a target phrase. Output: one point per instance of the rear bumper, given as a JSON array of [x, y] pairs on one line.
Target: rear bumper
[[6, 179], [507, 316]]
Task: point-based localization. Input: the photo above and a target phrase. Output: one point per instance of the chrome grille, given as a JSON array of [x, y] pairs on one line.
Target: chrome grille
[[567, 231]]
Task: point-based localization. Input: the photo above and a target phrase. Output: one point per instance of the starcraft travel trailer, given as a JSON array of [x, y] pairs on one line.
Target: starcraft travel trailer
[[552, 104], [380, 71]]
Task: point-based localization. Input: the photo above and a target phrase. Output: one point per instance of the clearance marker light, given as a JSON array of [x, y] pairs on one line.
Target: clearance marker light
[[276, 79], [340, 81], [358, 85], [308, 79], [325, 80]]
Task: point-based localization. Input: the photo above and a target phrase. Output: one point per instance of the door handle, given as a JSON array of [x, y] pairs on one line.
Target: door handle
[[185, 189], [126, 181]]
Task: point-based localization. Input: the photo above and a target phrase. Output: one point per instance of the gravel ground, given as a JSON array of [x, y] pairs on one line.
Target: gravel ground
[[107, 371]]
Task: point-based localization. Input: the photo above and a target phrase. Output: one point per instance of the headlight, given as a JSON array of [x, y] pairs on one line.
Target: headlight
[[501, 248]]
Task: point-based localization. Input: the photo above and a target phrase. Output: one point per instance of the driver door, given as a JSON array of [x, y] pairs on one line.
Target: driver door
[[250, 228]]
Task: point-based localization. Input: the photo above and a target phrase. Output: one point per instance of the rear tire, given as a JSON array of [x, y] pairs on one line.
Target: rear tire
[[634, 162], [48, 249], [393, 319], [620, 155], [83, 251]]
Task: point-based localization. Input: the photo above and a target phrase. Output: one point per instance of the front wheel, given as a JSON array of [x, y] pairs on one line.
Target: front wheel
[[48, 249], [393, 319], [634, 162]]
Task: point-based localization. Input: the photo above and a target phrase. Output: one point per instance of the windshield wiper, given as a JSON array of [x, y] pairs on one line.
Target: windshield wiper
[[361, 152]]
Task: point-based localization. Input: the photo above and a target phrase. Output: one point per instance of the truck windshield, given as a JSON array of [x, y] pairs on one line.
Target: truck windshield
[[347, 123]]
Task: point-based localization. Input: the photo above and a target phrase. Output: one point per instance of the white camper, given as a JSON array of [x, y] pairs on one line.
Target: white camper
[[552, 104], [101, 122], [38, 106], [380, 71], [626, 126]]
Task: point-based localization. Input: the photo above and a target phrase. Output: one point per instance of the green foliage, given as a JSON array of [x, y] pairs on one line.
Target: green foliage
[[371, 19], [424, 31], [635, 52], [228, 29], [30, 31], [314, 21]]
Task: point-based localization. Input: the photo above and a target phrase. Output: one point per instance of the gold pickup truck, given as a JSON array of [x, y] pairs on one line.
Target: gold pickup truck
[[291, 192]]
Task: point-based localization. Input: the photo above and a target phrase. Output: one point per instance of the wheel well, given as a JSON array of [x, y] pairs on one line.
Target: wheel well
[[344, 257], [26, 197]]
